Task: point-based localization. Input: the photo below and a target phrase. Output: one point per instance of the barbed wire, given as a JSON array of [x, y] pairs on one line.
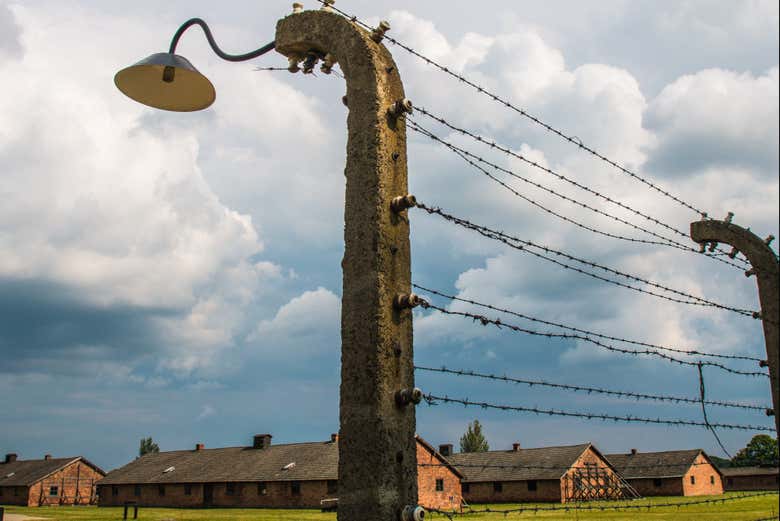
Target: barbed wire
[[588, 390], [463, 154], [710, 427], [418, 128], [432, 399], [633, 506], [569, 336], [571, 139], [585, 331], [271, 69], [690, 352], [525, 245]]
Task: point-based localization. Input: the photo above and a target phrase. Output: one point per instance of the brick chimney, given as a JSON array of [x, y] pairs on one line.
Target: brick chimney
[[445, 449], [515, 447], [199, 447], [334, 437], [633, 452], [10, 458], [47, 457], [262, 441]]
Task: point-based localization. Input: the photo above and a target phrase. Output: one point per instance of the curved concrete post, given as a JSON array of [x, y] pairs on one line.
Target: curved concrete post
[[765, 268], [377, 451]]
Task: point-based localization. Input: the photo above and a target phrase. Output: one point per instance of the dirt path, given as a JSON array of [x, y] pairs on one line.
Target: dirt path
[[20, 517]]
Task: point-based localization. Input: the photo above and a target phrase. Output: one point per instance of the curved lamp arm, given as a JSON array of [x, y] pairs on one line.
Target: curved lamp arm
[[219, 52]]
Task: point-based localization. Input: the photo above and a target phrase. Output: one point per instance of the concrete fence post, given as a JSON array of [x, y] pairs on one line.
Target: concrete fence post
[[765, 268], [377, 451]]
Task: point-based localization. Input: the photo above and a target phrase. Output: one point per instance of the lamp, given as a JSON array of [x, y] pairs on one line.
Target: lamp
[[168, 81]]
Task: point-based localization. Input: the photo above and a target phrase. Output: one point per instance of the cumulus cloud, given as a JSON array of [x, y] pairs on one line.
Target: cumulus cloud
[[10, 44], [309, 323], [716, 118]]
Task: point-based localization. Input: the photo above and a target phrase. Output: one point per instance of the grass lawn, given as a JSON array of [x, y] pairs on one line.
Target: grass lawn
[[740, 510]]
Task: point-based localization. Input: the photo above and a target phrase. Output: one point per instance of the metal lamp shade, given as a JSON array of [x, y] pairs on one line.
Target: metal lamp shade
[[166, 81]]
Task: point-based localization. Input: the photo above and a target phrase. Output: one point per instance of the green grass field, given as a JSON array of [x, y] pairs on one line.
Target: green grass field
[[748, 509]]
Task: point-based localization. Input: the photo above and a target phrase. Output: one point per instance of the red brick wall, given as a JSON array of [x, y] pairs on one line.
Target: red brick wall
[[278, 494], [428, 497], [758, 482], [707, 481], [513, 492], [74, 486], [668, 486], [14, 495]]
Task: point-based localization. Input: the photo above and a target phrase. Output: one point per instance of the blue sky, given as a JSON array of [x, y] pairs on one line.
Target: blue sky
[[177, 275]]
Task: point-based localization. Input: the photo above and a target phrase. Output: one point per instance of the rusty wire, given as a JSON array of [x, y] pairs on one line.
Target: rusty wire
[[575, 336], [703, 402], [588, 390], [433, 399], [463, 154], [691, 352], [526, 246], [416, 127], [571, 139]]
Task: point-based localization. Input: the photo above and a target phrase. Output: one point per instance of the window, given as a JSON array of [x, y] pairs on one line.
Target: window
[[730, 481], [161, 490], [439, 485], [137, 491], [262, 489], [532, 485], [16, 491], [54, 491], [295, 488], [498, 487], [114, 490], [657, 483], [187, 490], [333, 486], [230, 489], [693, 480], [465, 488], [712, 480], [1, 491]]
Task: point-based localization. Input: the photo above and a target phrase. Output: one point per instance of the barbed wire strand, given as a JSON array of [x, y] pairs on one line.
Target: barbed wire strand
[[432, 399], [464, 155], [690, 352], [418, 128], [633, 506], [524, 246], [570, 336], [704, 412], [525, 114], [588, 390]]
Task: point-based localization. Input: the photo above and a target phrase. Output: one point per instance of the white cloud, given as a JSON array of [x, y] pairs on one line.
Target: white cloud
[[717, 117], [308, 323]]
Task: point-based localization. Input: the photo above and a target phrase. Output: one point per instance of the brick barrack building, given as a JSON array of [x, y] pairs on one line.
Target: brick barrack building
[[48, 481], [292, 475], [669, 473], [550, 474], [751, 478]]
